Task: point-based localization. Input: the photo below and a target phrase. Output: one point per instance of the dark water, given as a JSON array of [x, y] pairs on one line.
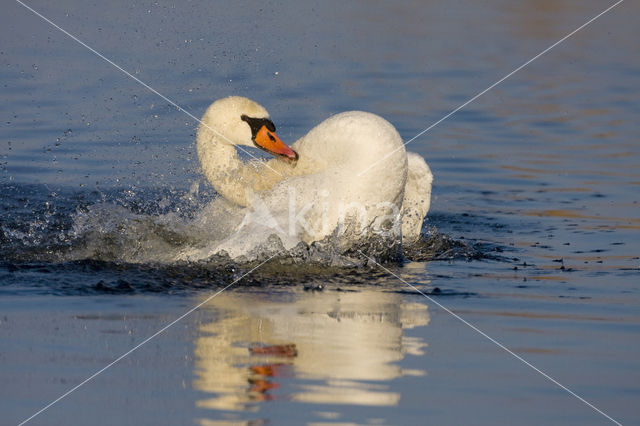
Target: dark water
[[533, 236]]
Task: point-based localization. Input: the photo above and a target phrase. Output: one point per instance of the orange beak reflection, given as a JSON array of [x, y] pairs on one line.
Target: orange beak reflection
[[271, 143]]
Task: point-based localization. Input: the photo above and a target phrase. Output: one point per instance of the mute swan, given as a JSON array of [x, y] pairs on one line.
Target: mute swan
[[319, 185]]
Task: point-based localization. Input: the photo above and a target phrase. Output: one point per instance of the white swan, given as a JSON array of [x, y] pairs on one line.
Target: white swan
[[320, 185]]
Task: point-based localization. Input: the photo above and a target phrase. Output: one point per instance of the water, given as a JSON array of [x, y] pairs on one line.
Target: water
[[533, 235]]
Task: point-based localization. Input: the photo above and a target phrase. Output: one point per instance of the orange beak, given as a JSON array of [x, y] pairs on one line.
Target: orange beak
[[271, 143]]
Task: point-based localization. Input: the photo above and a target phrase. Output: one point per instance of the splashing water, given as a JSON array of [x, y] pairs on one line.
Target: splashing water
[[136, 226]]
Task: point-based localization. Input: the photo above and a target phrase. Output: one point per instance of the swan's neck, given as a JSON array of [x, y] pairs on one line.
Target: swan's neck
[[232, 178], [221, 165]]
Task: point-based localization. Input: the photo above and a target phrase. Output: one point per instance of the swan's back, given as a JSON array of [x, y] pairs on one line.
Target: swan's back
[[336, 174], [354, 138]]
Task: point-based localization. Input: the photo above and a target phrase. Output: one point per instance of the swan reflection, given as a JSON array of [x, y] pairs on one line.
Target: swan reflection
[[331, 347]]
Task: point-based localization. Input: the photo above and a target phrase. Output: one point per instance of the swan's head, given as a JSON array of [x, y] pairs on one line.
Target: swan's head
[[241, 121]]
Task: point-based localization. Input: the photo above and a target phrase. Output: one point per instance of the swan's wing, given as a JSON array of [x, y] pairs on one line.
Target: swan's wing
[[417, 197]]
